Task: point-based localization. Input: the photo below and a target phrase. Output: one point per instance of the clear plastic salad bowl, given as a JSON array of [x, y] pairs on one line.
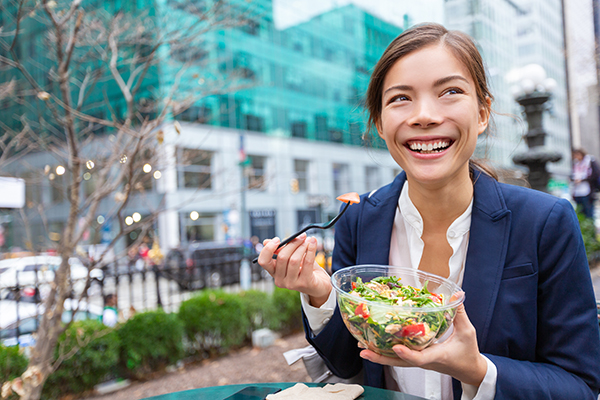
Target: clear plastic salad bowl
[[380, 325]]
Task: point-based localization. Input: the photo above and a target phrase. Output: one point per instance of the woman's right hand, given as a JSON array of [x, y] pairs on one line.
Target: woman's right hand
[[295, 267]]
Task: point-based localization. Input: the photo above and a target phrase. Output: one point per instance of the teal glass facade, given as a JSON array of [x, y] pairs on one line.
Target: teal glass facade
[[306, 81], [92, 83]]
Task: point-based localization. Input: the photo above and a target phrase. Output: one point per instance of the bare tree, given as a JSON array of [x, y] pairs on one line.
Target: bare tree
[[93, 101]]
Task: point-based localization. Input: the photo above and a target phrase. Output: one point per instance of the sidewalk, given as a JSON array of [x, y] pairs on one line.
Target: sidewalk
[[249, 365]]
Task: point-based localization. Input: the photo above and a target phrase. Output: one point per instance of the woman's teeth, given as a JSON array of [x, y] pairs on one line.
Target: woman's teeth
[[428, 148]]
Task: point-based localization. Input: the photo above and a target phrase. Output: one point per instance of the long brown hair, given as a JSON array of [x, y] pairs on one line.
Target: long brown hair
[[416, 38]]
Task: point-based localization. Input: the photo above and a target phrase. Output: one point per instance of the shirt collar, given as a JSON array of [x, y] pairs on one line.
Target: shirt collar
[[411, 215]]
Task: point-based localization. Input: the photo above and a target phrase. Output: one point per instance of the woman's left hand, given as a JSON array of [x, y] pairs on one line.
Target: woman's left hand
[[458, 356]]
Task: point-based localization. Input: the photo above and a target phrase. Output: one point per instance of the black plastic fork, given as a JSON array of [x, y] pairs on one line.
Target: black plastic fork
[[311, 226]]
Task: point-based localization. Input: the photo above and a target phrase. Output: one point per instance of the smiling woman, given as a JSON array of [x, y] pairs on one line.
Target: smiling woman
[[430, 100], [527, 328]]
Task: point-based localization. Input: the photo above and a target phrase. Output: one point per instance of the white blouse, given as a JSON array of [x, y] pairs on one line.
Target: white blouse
[[406, 234]]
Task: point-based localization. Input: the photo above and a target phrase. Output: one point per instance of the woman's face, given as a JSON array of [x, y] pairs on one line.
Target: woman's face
[[430, 116]]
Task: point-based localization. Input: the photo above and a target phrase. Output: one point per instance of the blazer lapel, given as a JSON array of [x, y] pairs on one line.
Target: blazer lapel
[[488, 243], [377, 221]]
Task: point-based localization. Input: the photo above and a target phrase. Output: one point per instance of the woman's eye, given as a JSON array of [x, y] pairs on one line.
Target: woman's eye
[[399, 98], [453, 91]]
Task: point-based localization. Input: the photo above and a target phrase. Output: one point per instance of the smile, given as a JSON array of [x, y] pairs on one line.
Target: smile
[[430, 147]]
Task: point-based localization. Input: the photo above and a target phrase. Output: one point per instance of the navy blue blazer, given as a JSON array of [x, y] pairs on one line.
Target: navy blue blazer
[[527, 284]]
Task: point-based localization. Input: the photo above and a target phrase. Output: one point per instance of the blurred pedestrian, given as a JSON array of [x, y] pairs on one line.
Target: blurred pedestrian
[[110, 315], [585, 181]]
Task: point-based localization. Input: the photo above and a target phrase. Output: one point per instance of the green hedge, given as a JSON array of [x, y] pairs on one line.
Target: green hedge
[[590, 238], [259, 309], [90, 365], [214, 322], [289, 310], [150, 341], [12, 363]]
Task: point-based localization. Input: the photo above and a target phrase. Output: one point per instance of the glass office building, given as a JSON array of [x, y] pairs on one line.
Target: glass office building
[[305, 81]]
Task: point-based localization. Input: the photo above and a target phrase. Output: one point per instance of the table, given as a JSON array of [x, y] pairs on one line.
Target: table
[[221, 392]]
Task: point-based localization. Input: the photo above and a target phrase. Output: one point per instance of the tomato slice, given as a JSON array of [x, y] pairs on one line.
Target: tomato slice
[[362, 310], [353, 285], [436, 298], [352, 198], [413, 330]]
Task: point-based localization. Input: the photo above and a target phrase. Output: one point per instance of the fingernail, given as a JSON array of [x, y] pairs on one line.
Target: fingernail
[[312, 240], [276, 239], [302, 235]]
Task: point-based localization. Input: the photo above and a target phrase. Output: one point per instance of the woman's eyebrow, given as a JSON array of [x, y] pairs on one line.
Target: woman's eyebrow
[[447, 79], [398, 87]]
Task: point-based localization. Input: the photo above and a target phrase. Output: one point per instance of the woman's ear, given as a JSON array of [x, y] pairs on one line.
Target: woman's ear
[[484, 115], [379, 129]]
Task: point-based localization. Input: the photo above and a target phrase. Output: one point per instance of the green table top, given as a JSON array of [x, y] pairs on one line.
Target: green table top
[[221, 392]]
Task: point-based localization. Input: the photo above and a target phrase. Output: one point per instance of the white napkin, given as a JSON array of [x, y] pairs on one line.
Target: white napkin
[[338, 391], [291, 356]]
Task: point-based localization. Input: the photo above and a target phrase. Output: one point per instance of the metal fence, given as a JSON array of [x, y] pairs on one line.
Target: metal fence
[[138, 287]]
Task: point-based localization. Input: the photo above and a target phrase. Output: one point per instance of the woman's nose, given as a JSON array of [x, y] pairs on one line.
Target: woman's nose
[[424, 114]]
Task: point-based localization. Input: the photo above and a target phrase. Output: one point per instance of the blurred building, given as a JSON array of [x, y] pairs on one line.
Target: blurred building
[[583, 75], [541, 41], [511, 34]]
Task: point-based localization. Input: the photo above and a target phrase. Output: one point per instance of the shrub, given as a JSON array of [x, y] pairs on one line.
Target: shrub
[[96, 358], [12, 363], [259, 309], [149, 342], [289, 310], [214, 321], [590, 239]]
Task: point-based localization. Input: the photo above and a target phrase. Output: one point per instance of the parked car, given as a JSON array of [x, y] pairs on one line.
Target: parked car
[[206, 264], [20, 275], [27, 317]]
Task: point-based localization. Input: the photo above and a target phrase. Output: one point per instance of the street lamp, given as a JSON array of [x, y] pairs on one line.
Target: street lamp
[[532, 89]]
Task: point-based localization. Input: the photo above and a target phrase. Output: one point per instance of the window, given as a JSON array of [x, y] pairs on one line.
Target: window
[[89, 183], [196, 114], [372, 178], [341, 179], [299, 129], [58, 192], [256, 173], [336, 135], [355, 133], [254, 123], [321, 127], [187, 53], [33, 189], [195, 171], [301, 171], [348, 25], [252, 27], [201, 229]]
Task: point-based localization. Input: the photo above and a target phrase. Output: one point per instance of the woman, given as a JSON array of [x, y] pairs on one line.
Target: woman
[[528, 326], [583, 182]]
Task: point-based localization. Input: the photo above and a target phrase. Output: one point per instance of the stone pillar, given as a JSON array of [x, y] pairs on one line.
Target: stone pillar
[[536, 157]]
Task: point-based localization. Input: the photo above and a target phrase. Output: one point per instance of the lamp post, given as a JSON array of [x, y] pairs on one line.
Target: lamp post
[[531, 89]]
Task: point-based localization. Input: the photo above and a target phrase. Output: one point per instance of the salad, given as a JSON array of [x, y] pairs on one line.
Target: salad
[[420, 318]]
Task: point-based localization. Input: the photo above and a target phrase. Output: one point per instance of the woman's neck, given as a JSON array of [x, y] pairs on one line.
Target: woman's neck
[[440, 205]]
